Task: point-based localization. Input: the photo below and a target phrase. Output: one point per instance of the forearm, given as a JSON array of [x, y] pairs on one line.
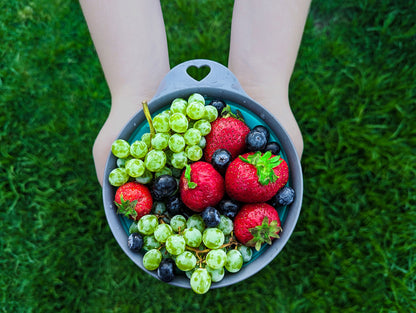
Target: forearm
[[130, 40], [265, 39]]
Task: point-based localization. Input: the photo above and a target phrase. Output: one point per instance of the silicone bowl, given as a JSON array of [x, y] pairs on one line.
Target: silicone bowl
[[219, 83]]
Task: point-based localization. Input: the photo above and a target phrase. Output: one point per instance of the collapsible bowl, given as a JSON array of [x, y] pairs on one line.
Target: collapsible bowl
[[219, 83]]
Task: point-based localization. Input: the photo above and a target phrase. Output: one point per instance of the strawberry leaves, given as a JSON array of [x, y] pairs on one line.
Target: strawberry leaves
[[226, 112], [191, 184], [264, 233], [264, 165], [126, 207]]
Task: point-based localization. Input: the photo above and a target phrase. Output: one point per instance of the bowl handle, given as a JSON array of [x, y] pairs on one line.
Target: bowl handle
[[178, 79]]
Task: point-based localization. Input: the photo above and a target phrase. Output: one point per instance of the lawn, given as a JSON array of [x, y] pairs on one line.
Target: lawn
[[353, 93]]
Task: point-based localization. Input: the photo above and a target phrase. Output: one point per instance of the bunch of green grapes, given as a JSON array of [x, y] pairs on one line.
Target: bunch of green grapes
[[178, 139], [186, 245]]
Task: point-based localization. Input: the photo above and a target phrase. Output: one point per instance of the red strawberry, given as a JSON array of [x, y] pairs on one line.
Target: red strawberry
[[133, 200], [201, 186], [257, 223], [227, 132], [256, 177]]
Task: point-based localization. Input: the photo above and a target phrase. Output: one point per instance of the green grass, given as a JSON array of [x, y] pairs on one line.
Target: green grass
[[353, 93]]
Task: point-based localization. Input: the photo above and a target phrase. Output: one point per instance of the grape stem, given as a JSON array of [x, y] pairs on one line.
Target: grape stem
[[231, 242], [148, 118]]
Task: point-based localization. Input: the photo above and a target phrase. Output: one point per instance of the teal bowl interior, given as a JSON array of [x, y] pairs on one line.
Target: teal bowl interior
[[288, 215], [251, 120]]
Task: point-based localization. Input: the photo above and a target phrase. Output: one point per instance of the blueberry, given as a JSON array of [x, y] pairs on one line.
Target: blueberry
[[262, 129], [219, 105], [174, 205], [220, 160], [229, 208], [164, 187], [211, 217], [166, 270], [256, 141], [135, 242], [273, 147], [284, 196]]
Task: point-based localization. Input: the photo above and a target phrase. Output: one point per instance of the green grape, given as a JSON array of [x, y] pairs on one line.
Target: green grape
[[200, 281], [203, 126], [246, 252], [194, 153], [216, 258], [226, 225], [176, 172], [163, 232], [147, 224], [155, 160], [213, 238], [161, 122], [146, 178], [178, 223], [189, 273], [195, 110], [159, 207], [178, 122], [160, 141], [146, 138], [193, 237], [216, 275], [178, 106], [150, 242], [211, 113], [164, 171], [185, 261], [120, 148], [138, 149], [175, 244], [135, 168], [168, 113], [165, 253], [168, 154], [196, 97], [122, 162], [192, 136], [133, 228], [176, 143], [234, 261], [202, 143], [196, 221], [118, 176], [179, 160], [152, 259]]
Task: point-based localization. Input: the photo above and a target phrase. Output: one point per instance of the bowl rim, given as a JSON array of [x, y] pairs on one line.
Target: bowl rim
[[295, 175]]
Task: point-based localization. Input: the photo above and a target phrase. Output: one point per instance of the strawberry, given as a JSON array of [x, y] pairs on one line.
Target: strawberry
[[227, 132], [257, 223], [133, 200], [256, 177], [201, 186]]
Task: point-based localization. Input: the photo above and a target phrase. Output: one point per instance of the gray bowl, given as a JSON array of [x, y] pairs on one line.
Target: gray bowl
[[219, 83]]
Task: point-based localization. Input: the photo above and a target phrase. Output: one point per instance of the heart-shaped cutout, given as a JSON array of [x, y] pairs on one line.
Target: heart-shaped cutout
[[198, 73]]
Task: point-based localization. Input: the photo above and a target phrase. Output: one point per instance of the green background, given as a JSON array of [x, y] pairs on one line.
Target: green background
[[353, 94]]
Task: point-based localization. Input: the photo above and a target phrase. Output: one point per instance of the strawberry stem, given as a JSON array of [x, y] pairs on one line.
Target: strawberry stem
[[265, 165], [191, 184], [264, 233], [226, 112], [126, 207]]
